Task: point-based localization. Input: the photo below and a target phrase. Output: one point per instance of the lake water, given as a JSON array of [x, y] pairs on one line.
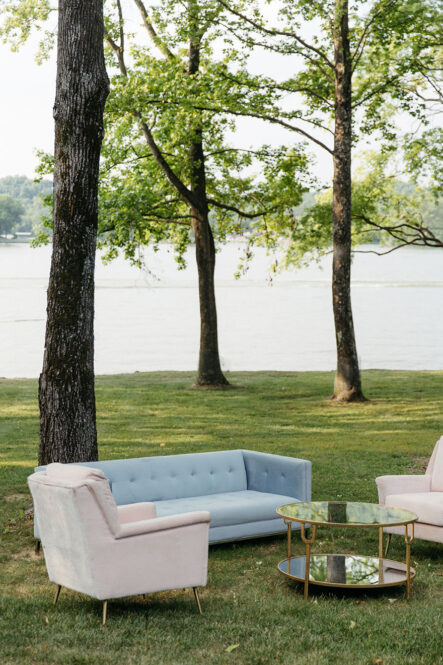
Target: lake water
[[148, 320]]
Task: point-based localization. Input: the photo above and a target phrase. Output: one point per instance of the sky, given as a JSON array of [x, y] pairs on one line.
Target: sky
[[26, 123]]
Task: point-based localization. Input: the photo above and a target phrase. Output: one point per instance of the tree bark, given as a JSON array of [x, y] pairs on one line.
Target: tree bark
[[347, 386], [66, 386], [209, 368]]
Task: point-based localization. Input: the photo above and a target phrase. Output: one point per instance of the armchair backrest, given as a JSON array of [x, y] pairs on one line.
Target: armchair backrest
[[435, 467], [77, 518]]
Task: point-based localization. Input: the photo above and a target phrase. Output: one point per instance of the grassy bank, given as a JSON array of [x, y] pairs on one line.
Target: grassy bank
[[246, 603]]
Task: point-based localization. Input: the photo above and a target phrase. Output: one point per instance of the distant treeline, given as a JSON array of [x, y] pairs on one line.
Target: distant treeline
[[432, 212], [21, 205]]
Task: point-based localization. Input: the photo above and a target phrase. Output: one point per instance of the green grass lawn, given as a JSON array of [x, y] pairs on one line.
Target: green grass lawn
[[247, 603]]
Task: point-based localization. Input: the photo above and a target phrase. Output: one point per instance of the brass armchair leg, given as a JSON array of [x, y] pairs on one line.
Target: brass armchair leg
[[57, 593], [105, 609], [197, 599], [388, 542]]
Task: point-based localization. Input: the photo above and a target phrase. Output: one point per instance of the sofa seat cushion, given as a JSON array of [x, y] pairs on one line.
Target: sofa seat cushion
[[228, 508], [428, 506]]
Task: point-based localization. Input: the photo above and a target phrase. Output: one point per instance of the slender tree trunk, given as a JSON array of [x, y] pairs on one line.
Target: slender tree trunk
[[347, 385], [66, 387], [209, 368]]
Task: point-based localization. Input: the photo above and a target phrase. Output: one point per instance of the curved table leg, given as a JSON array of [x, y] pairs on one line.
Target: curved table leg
[[308, 542]]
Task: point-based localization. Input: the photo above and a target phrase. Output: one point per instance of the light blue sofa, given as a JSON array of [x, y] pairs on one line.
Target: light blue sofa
[[240, 488]]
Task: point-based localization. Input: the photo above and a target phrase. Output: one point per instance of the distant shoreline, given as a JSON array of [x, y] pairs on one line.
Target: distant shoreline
[[16, 241]]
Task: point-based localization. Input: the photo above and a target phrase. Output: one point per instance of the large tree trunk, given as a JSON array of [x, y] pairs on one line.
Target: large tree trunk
[[66, 387], [209, 369], [347, 385]]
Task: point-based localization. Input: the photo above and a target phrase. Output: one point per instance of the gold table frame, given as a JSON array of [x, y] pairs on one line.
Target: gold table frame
[[308, 541]]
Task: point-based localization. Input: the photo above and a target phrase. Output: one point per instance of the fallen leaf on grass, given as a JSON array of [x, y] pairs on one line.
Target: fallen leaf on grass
[[352, 625], [231, 647], [377, 661]]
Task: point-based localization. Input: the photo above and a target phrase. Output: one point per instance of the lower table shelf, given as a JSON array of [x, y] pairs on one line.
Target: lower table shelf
[[346, 570]]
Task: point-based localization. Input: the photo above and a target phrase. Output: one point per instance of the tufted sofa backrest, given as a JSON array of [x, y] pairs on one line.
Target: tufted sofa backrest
[[173, 476]]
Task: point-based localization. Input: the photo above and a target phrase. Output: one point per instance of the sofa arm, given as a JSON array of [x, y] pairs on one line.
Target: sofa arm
[[401, 485], [162, 523], [136, 512], [278, 475]]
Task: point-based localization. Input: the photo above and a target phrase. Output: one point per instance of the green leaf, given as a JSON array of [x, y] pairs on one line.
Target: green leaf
[[231, 647]]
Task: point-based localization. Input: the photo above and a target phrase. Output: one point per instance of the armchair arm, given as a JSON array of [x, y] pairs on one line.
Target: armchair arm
[[162, 524], [402, 485], [278, 475], [136, 512]]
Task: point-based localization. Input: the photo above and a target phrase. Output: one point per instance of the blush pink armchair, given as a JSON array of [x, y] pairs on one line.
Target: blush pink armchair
[[422, 494], [94, 547]]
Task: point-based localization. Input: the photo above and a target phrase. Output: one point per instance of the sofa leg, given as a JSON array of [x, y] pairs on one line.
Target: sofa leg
[[57, 593], [38, 545], [105, 610], [197, 599], [388, 542]]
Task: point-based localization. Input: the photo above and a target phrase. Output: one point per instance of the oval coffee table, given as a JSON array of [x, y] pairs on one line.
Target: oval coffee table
[[346, 570]]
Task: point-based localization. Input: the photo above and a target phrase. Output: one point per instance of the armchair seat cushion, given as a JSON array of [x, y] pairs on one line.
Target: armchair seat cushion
[[428, 506], [228, 508]]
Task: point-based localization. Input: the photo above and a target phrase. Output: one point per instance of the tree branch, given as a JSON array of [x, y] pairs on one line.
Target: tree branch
[[248, 215], [121, 26], [355, 57], [422, 97], [375, 92], [159, 43], [283, 88], [269, 118], [276, 49], [175, 181], [278, 33], [119, 52], [165, 203], [167, 220], [224, 150], [406, 233]]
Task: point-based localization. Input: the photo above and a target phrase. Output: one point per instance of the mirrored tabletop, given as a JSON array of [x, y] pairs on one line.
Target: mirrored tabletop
[[345, 513]]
